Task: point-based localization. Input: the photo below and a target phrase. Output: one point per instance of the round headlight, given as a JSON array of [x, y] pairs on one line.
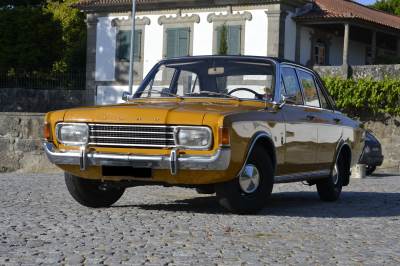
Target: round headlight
[[193, 137], [72, 134]]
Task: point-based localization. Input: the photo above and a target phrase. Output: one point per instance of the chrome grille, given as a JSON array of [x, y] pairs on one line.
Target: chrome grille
[[131, 135]]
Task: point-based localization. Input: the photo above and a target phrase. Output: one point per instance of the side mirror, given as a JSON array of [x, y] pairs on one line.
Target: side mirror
[[126, 96], [288, 99]]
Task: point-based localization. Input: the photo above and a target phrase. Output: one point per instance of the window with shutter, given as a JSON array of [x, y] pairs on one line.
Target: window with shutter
[[178, 42], [124, 44]]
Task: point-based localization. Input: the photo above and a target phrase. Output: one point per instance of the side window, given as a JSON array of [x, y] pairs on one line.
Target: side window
[[322, 98], [309, 88], [291, 84]]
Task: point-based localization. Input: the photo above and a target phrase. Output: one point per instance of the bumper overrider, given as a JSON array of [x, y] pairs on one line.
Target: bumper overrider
[[218, 161]]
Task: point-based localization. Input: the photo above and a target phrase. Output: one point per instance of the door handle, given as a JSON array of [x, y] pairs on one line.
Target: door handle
[[310, 117], [337, 120]]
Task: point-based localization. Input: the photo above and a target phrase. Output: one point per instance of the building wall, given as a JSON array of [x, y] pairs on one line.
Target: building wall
[[290, 37]]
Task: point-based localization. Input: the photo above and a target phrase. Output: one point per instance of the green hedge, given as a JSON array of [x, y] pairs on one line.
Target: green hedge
[[365, 96]]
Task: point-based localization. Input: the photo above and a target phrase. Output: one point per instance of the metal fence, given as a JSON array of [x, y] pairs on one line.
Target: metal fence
[[46, 81]]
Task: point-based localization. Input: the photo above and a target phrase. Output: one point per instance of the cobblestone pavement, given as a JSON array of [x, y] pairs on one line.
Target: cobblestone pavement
[[41, 224]]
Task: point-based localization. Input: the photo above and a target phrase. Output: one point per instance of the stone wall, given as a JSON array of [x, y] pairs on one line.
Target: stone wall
[[21, 144], [41, 101], [378, 72]]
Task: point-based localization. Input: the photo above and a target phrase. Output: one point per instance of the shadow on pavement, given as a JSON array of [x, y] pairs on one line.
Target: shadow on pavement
[[297, 204]]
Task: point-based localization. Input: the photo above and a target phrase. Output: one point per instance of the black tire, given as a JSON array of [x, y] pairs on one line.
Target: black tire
[[370, 169], [89, 193], [235, 199], [329, 189]]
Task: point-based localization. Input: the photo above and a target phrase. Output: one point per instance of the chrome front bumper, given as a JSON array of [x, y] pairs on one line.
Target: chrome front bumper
[[84, 158]]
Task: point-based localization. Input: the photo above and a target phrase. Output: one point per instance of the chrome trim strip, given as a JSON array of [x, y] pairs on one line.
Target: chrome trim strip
[[131, 145], [131, 125], [133, 132], [304, 176], [219, 161], [101, 137]]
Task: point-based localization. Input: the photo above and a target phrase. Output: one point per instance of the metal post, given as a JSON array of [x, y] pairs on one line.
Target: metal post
[[346, 44], [131, 58]]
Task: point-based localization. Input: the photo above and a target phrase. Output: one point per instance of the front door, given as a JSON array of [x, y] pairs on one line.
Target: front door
[[301, 134]]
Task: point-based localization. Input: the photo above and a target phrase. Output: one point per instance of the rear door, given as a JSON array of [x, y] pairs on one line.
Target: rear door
[[300, 135]]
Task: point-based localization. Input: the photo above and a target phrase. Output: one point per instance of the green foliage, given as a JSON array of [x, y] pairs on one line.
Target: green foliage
[[36, 35], [31, 40], [73, 34], [223, 41], [390, 6], [365, 96]]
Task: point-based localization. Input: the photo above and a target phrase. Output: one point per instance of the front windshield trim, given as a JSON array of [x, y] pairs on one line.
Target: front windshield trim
[[268, 62]]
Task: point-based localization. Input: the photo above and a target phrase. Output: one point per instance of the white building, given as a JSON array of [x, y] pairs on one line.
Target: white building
[[320, 32]]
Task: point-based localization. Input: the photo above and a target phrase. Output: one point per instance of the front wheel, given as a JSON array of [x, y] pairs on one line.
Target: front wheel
[[329, 189], [249, 192], [92, 193]]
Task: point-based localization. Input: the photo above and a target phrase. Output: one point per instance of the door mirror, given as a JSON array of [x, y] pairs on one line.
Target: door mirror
[[126, 96], [288, 99]]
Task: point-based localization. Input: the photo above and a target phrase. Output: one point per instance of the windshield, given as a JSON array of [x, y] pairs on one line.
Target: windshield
[[216, 77]]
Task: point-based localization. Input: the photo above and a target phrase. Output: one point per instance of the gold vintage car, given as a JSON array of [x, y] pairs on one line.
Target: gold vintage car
[[234, 125]]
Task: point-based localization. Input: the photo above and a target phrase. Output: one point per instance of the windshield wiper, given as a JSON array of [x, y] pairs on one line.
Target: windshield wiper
[[150, 91], [214, 93]]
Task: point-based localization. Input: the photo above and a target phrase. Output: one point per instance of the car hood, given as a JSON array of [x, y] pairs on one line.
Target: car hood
[[181, 112]]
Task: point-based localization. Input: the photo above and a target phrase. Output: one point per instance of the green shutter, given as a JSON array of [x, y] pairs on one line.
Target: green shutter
[[138, 45], [171, 42], [234, 40], [219, 31], [183, 44]]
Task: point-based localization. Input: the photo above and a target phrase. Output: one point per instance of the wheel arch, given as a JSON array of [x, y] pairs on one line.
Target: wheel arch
[[345, 149], [265, 140]]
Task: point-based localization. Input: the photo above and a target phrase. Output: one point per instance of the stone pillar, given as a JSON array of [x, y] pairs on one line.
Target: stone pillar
[[298, 43], [276, 32], [346, 44], [91, 22], [373, 47]]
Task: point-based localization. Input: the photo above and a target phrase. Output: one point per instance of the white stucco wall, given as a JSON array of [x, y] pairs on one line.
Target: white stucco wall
[[256, 34], [290, 38]]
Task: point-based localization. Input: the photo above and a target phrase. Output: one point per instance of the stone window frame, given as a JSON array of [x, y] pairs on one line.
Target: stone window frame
[[176, 22], [125, 24], [229, 19]]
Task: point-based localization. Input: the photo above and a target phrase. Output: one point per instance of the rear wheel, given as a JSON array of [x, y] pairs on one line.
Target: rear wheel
[[329, 189], [91, 193], [249, 192]]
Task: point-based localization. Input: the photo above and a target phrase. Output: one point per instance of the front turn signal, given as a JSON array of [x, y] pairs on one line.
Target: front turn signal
[[224, 138], [47, 131]]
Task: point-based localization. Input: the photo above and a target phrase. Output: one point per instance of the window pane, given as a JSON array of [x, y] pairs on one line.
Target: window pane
[[309, 89], [322, 98], [124, 45], [291, 83]]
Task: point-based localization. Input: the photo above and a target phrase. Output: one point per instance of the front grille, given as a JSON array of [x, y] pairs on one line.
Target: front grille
[[131, 136]]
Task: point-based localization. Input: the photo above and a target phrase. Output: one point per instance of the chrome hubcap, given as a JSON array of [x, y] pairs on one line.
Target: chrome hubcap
[[335, 175], [249, 179]]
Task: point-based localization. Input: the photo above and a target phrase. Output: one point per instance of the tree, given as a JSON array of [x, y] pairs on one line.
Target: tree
[[31, 40], [223, 41], [390, 6], [73, 34]]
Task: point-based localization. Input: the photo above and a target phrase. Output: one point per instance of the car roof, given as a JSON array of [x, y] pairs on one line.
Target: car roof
[[240, 57]]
